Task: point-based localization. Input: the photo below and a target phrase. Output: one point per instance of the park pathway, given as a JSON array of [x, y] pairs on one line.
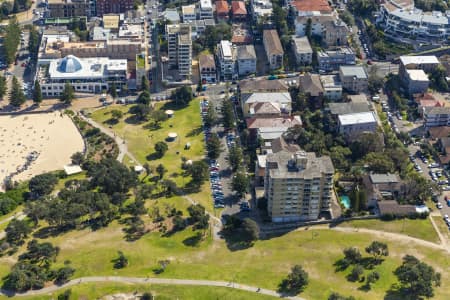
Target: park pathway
[[121, 143], [140, 280], [19, 215]]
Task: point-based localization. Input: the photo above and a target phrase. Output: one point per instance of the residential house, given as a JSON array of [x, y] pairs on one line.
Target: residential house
[[281, 103], [226, 56], [436, 116], [354, 105], [188, 13], [331, 60], [298, 185], [207, 68], [428, 100], [444, 147], [391, 207], [241, 35], [302, 49], [438, 132], [246, 60], [262, 85], [353, 78], [270, 128], [384, 185], [238, 10], [222, 11], [261, 10], [332, 88], [274, 50], [205, 10], [312, 87], [354, 124]]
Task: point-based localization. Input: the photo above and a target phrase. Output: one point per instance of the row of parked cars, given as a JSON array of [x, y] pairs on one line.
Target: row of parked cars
[[214, 176], [447, 221]]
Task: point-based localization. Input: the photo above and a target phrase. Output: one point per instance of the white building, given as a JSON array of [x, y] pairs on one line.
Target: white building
[[261, 9], [205, 10], [416, 81], [246, 60], [86, 75], [227, 60], [331, 60], [302, 49], [352, 125], [400, 19], [436, 116], [353, 78], [188, 13], [332, 88], [179, 46]]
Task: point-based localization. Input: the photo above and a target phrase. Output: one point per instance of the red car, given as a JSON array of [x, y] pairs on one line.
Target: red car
[[23, 64], [369, 62]]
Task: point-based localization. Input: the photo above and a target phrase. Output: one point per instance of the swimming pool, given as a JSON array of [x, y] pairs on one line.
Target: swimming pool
[[345, 200]]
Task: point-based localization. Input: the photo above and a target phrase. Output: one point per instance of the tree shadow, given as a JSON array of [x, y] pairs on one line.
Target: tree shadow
[[365, 288], [397, 293], [193, 241], [195, 132], [153, 156], [152, 126], [50, 231], [111, 121], [134, 120], [286, 291], [341, 265]]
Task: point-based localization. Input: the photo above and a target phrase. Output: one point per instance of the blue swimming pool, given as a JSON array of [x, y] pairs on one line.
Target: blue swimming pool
[[345, 200]]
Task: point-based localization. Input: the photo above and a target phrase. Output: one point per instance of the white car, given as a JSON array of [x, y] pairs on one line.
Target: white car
[[439, 205]]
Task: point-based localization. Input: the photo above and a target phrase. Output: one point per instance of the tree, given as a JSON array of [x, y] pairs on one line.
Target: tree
[[375, 82], [198, 171], [438, 79], [228, 115], [16, 231], [145, 86], [377, 250], [113, 90], [161, 170], [144, 97], [68, 94], [235, 157], [159, 116], [65, 295], [141, 111], [182, 95], [296, 281], [42, 184], [240, 183], [161, 148], [417, 278], [116, 114], [11, 40], [63, 274], [17, 97], [250, 230], [308, 29], [3, 87], [352, 255], [337, 296], [37, 94], [120, 262], [356, 273], [77, 158], [214, 146], [211, 116], [33, 42], [372, 277], [147, 296]]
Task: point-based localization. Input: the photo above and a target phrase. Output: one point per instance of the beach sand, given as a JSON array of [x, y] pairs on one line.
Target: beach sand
[[52, 136]]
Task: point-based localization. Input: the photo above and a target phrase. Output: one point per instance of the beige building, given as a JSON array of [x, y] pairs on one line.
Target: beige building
[[274, 50], [354, 78], [68, 8], [179, 44], [297, 184]]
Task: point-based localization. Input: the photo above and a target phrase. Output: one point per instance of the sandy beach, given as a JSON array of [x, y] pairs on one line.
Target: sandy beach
[[31, 144]]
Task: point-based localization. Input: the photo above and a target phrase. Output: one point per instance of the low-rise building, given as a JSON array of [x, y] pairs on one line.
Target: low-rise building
[[311, 86], [423, 62], [302, 49], [416, 81], [222, 10], [113, 6], [280, 104], [385, 185], [246, 60], [412, 72], [262, 85], [352, 125], [331, 60], [334, 32], [188, 13], [332, 88], [274, 50], [205, 10], [238, 10], [428, 100], [171, 15], [297, 185], [226, 57], [436, 116], [353, 78], [270, 128], [207, 68], [261, 9], [68, 8]]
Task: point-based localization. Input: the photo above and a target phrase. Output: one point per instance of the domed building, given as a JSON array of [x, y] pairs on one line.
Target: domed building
[[86, 75]]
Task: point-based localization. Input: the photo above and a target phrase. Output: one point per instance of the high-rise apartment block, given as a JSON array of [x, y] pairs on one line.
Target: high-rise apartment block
[[179, 44]]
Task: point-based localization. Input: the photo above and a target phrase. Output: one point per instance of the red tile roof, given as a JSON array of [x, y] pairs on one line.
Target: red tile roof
[[222, 7], [312, 5], [238, 8]]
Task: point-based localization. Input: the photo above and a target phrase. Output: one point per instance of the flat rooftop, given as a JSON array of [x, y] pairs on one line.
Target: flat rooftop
[[357, 118]]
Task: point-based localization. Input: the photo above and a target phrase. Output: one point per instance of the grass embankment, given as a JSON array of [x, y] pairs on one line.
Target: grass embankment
[[419, 228], [141, 138]]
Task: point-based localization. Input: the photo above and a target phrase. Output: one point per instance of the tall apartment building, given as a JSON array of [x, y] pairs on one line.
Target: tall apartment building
[[179, 44], [274, 49], [227, 60], [68, 8], [297, 185], [113, 6]]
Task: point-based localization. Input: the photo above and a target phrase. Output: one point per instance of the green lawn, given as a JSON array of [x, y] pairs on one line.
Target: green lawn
[[443, 228], [421, 229], [61, 182], [263, 265], [160, 292], [141, 139]]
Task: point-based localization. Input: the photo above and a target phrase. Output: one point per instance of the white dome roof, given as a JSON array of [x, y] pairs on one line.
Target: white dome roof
[[69, 64]]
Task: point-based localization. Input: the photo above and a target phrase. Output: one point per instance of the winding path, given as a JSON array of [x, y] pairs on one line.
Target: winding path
[[140, 280]]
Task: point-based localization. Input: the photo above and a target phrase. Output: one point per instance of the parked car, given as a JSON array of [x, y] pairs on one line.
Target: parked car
[[439, 205]]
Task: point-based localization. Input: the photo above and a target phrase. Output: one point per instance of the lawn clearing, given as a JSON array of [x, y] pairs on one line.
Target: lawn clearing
[[419, 228], [160, 292], [443, 228]]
